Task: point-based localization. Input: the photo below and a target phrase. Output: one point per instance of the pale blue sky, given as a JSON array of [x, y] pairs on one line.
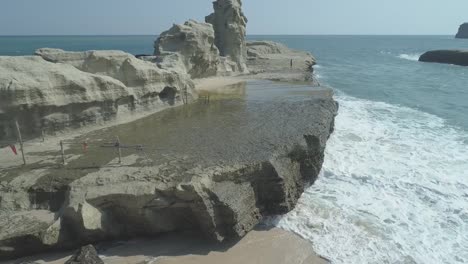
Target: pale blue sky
[[114, 17]]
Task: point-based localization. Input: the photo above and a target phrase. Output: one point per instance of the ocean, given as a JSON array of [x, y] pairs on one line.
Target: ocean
[[394, 187]]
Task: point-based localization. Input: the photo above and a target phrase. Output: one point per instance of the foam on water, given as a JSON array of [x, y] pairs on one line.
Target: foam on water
[[411, 57], [394, 189]]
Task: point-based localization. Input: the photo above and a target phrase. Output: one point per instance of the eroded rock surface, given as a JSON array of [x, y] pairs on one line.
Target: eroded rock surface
[[274, 61], [229, 23], [462, 31], [85, 255], [59, 89], [218, 168], [190, 48]]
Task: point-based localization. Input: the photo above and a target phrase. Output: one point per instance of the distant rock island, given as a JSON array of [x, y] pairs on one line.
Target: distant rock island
[[456, 57], [462, 31]]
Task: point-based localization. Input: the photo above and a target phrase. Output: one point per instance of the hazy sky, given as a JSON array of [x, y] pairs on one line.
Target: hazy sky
[[113, 17]]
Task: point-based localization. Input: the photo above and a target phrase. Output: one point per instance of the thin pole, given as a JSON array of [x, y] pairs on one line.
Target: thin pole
[[20, 139], [62, 151], [119, 150]]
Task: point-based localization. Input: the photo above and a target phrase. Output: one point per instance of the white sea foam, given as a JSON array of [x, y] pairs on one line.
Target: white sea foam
[[394, 189], [411, 57]]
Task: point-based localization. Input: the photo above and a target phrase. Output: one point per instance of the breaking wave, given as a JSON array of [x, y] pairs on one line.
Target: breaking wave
[[394, 189], [411, 57]]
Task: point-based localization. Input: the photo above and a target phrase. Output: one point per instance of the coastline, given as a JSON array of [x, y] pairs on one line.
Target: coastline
[[219, 86], [216, 167], [273, 246]]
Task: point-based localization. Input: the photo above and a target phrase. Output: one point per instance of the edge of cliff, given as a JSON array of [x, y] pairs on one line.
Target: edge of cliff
[[40, 212]]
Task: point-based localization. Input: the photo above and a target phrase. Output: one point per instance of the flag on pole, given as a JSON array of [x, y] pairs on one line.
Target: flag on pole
[[13, 148]]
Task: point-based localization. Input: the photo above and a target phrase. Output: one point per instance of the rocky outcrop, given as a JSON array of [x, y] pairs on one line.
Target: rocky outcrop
[[58, 89], [189, 48], [229, 23], [462, 31], [191, 183], [276, 62], [85, 255], [217, 167], [456, 57]]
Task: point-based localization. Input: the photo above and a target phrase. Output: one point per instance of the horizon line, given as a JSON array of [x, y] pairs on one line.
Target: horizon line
[[275, 34]]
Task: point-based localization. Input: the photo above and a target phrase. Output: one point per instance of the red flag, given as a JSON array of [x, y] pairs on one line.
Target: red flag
[[13, 148]]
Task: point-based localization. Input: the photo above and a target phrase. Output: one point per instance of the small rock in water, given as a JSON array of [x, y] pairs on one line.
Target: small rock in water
[[85, 255]]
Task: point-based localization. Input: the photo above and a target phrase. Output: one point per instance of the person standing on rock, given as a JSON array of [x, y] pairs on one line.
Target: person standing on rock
[[291, 63]]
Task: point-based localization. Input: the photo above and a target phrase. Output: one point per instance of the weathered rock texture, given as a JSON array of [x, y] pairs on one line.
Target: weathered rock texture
[[59, 89], [190, 45], [462, 31], [221, 180], [230, 24], [457, 57], [275, 61], [216, 167], [85, 255]]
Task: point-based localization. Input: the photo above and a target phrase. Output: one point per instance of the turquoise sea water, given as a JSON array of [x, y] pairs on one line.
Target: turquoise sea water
[[394, 188]]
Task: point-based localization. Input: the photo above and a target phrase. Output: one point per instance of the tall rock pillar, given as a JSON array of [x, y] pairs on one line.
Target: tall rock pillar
[[229, 23]]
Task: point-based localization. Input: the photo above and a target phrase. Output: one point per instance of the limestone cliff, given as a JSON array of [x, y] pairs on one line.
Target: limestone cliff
[[216, 167], [229, 23], [219, 179], [190, 48], [59, 89], [462, 31]]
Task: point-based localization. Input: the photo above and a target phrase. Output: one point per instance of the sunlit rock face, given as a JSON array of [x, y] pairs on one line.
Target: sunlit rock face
[[188, 48], [229, 23], [57, 89], [217, 168], [274, 61]]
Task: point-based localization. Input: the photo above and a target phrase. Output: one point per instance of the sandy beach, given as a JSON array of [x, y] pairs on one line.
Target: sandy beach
[[274, 246]]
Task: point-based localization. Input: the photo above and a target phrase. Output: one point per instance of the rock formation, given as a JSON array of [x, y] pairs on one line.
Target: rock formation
[[275, 61], [59, 89], [229, 23], [221, 180], [218, 168], [462, 31], [456, 57], [190, 45], [85, 255], [220, 48], [206, 49]]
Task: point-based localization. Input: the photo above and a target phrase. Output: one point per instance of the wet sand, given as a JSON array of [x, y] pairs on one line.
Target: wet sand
[[274, 246]]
